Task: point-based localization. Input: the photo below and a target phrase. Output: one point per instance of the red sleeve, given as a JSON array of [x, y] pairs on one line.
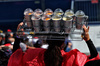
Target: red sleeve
[[30, 57], [76, 58], [16, 58], [33, 57]]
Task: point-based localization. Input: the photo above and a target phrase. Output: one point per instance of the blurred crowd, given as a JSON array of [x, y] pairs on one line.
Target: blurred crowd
[[9, 38]]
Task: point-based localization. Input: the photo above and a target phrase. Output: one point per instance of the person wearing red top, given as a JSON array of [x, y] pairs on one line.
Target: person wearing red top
[[54, 55]]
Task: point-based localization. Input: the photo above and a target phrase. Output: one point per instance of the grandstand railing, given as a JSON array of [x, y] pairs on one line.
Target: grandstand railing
[[90, 9]]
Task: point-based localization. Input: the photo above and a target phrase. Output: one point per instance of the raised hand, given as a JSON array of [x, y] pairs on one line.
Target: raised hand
[[86, 33], [20, 26]]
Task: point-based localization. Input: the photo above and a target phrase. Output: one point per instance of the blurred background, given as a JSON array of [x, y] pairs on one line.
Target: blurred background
[[12, 13]]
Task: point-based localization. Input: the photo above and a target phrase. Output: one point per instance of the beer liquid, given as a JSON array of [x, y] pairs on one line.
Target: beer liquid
[[80, 15], [58, 18], [69, 14], [29, 13], [66, 18], [35, 18], [37, 14], [47, 19], [49, 13], [26, 13], [58, 13]]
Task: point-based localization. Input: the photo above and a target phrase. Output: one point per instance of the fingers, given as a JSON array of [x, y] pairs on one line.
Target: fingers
[[88, 28], [85, 36], [85, 28], [21, 23]]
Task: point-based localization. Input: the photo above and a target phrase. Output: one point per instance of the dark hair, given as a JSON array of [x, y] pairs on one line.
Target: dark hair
[[7, 36], [1, 36], [52, 56], [38, 43]]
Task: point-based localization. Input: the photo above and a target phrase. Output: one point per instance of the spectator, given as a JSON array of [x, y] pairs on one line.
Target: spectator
[[12, 40], [68, 45], [8, 35], [1, 40], [44, 45], [9, 39], [37, 42], [5, 53]]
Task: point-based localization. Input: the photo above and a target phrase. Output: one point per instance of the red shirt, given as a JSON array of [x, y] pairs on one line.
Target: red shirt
[[35, 57]]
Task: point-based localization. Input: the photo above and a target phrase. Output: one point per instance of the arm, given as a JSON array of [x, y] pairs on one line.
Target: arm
[[18, 27], [28, 47], [92, 49]]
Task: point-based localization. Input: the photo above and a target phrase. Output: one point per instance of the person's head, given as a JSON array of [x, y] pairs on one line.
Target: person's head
[[7, 37], [25, 40], [8, 30], [67, 44], [1, 37], [2, 40], [58, 43], [37, 42], [52, 56], [11, 39]]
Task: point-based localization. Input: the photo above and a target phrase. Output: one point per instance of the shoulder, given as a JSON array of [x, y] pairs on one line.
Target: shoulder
[[75, 53], [35, 51], [74, 57]]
